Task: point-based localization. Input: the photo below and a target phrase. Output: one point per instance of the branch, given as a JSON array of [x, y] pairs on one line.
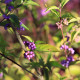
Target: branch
[[18, 36], [20, 40], [18, 65], [60, 11]]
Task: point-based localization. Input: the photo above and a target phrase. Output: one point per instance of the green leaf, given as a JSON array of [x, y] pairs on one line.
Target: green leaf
[[28, 37], [49, 57], [63, 3], [55, 12], [70, 27], [67, 15], [3, 44], [31, 3], [72, 35], [10, 30], [46, 47], [46, 74], [74, 19], [34, 64], [54, 64], [0, 14], [60, 1], [8, 53], [15, 20], [39, 42], [62, 78], [25, 26], [4, 23], [58, 75], [52, 8], [41, 62]]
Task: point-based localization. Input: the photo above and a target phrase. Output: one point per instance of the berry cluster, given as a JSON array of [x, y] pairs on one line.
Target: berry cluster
[[29, 54], [8, 24], [7, 2], [6, 16], [30, 45], [67, 61], [71, 50]]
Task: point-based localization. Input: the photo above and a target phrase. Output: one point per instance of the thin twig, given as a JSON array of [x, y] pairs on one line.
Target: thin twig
[[18, 65], [2, 20], [62, 27], [20, 40]]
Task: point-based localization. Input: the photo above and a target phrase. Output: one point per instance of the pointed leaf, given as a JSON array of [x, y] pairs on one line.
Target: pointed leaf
[[60, 1], [52, 8], [54, 64], [31, 3], [46, 47], [46, 74], [74, 19], [34, 64], [15, 20], [74, 34], [67, 15], [28, 37], [49, 57], [3, 44], [55, 12], [63, 3], [39, 42], [25, 26]]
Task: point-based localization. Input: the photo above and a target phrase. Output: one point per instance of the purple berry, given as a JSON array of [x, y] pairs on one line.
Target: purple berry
[[29, 55], [66, 62], [10, 8], [64, 47], [67, 48], [67, 38], [8, 1], [70, 58], [71, 50], [30, 45], [6, 16], [63, 62]]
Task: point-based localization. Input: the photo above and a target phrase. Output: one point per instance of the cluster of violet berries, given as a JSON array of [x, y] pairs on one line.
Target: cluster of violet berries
[[8, 24], [65, 47], [29, 54], [69, 59], [5, 16], [10, 7]]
